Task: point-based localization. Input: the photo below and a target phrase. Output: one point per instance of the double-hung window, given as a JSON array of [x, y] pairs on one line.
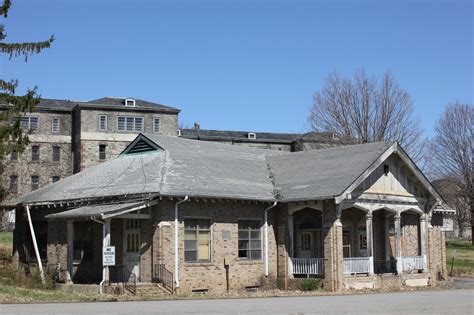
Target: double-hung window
[[250, 242], [34, 182], [56, 153], [35, 153], [129, 124], [102, 152], [103, 122], [156, 125], [197, 240], [29, 123], [13, 184], [55, 125]]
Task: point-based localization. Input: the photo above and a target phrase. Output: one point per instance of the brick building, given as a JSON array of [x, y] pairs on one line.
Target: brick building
[[201, 216]]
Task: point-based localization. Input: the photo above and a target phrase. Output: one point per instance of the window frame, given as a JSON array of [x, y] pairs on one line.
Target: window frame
[[35, 157], [154, 124], [29, 123], [105, 152], [249, 250], [14, 156], [13, 189], [134, 128], [58, 155], [197, 230], [37, 182], [105, 122], [53, 124]]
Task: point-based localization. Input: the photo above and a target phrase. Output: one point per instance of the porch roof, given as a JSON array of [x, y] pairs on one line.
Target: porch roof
[[98, 211]]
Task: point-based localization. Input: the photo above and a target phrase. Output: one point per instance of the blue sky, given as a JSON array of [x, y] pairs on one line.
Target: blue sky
[[243, 65]]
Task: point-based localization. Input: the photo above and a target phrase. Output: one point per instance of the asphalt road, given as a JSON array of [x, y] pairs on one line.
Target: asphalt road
[[452, 302]]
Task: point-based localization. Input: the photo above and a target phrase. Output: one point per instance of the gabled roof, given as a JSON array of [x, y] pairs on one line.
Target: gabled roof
[[324, 173], [183, 167]]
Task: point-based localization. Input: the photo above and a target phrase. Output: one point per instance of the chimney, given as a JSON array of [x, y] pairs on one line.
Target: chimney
[[197, 126]]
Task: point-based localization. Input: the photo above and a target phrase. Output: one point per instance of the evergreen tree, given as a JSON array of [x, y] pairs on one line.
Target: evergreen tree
[[12, 137]]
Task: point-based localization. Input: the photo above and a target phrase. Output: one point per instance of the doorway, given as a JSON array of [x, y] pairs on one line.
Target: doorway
[[131, 252]]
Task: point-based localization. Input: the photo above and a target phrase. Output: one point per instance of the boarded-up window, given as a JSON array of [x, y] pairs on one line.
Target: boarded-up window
[[56, 153], [35, 153]]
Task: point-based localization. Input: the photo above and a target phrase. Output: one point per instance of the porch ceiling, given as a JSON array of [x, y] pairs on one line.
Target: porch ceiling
[[98, 211]]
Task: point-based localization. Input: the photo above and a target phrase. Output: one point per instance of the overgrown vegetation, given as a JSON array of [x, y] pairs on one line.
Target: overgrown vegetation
[[6, 245], [310, 284], [464, 257]]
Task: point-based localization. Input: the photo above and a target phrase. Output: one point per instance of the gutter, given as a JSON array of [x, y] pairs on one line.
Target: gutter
[[35, 244], [266, 236], [176, 240]]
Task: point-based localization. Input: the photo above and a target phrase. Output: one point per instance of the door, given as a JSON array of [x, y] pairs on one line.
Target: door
[[305, 245], [131, 252], [346, 243]]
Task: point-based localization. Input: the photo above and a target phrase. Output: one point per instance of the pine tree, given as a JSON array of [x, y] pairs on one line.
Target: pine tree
[[12, 137]]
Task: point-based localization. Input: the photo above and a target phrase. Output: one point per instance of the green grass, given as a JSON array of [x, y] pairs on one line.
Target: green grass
[[464, 259], [6, 245]]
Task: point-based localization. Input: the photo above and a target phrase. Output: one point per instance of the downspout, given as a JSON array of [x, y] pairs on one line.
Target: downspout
[[176, 242], [101, 284], [35, 245], [266, 236]]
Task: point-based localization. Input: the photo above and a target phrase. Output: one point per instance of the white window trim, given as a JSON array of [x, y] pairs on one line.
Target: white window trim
[[154, 124], [106, 122], [29, 122], [211, 240], [134, 124], [134, 103], [52, 124]]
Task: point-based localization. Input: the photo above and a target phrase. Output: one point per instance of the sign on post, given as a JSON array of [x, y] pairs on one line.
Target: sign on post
[[108, 257]]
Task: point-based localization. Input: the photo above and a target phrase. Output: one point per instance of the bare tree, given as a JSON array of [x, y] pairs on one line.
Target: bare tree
[[363, 109], [452, 154]]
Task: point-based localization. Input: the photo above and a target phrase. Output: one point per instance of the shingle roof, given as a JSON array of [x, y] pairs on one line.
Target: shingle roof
[[214, 170], [324, 173], [105, 102], [93, 210]]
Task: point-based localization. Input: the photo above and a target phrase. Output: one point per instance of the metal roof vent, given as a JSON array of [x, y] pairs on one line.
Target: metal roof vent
[[252, 136], [130, 102]]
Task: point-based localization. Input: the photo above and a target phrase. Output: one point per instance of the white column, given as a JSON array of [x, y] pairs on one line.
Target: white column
[[422, 239], [398, 243], [106, 242], [70, 248], [370, 242]]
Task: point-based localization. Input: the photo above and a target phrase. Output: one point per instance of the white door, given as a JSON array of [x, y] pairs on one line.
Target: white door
[[306, 244], [131, 251]]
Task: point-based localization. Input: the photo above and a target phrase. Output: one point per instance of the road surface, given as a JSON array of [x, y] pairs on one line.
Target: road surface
[[452, 302]]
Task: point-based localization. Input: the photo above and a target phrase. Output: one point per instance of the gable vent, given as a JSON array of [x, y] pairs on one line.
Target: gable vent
[[140, 147]]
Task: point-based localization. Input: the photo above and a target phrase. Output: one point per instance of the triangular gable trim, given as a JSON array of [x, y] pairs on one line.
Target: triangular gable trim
[[394, 148], [140, 145]]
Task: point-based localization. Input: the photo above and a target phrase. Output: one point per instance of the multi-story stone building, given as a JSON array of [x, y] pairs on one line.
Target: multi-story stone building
[[68, 136]]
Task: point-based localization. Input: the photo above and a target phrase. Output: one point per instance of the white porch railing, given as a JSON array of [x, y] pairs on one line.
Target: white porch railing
[[410, 263], [307, 266], [356, 265]]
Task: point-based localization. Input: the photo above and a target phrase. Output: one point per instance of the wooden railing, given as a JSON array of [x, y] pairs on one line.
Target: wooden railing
[[164, 276], [411, 263], [355, 265], [307, 266]]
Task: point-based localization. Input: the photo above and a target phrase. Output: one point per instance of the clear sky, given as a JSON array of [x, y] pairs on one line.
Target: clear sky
[[243, 65]]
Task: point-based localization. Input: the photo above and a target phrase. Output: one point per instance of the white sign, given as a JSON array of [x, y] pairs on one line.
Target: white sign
[[108, 257]]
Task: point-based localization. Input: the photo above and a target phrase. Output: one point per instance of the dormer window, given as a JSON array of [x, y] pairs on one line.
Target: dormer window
[[252, 136], [129, 102]]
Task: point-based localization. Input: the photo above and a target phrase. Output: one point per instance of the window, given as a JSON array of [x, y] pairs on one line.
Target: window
[[130, 124], [55, 179], [55, 125], [197, 240], [29, 123], [132, 232], [34, 182], [250, 243], [13, 156], [35, 153], [156, 125], [103, 122], [56, 153], [130, 102], [13, 189], [102, 155]]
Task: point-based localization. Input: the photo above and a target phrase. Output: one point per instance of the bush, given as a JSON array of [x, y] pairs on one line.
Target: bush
[[310, 284], [20, 278]]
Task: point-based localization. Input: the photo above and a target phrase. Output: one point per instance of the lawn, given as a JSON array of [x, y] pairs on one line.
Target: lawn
[[6, 245], [464, 257]]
